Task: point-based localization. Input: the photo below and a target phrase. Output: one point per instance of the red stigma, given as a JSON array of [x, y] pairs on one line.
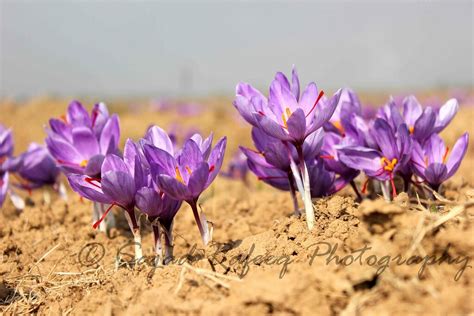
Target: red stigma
[[394, 190], [327, 157], [364, 186], [261, 113], [96, 224], [445, 155], [211, 168], [91, 182], [321, 93]]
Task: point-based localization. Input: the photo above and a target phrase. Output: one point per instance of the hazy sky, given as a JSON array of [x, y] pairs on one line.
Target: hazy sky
[[155, 48]]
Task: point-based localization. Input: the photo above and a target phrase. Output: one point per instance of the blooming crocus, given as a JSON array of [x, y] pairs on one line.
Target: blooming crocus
[[272, 160], [37, 168], [393, 152], [422, 123], [324, 182], [120, 181], [433, 162], [8, 164], [289, 117], [160, 210], [79, 141], [348, 103], [237, 168], [187, 175]]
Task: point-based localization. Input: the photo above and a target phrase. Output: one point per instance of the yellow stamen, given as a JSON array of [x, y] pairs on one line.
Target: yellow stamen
[[178, 175], [285, 118], [188, 170], [83, 163], [338, 125], [387, 164], [411, 129]]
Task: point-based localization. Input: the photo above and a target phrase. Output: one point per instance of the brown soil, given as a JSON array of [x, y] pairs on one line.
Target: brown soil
[[386, 258]]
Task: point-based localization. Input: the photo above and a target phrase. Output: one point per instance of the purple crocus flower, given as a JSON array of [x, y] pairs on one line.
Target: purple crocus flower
[[37, 168], [422, 123], [392, 154], [160, 210], [271, 162], [187, 175], [120, 180], [3, 186], [432, 161], [330, 154], [324, 182], [285, 115], [237, 168], [348, 103], [8, 164], [79, 141]]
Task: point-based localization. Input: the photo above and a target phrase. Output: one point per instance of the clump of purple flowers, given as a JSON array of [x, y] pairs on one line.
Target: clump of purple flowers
[[153, 178], [315, 145], [79, 142]]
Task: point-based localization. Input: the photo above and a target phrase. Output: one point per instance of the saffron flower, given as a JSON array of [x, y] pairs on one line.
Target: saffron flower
[[324, 182], [187, 175], [289, 117], [393, 152], [272, 160], [160, 210], [238, 168], [79, 141], [433, 162], [8, 164], [120, 181], [422, 123], [37, 168]]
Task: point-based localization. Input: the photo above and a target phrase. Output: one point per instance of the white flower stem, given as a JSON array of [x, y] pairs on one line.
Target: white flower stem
[[158, 247], [385, 186], [306, 195], [135, 228]]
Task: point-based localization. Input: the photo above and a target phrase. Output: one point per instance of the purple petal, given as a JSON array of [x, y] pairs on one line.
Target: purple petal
[[435, 149], [110, 136], [119, 186], [90, 190], [277, 155], [295, 83], [424, 125], [160, 139], [191, 155], [198, 179], [215, 160], [3, 187], [457, 154], [412, 110], [77, 115], [114, 163], [322, 113], [148, 201], [436, 173], [62, 150], [173, 187], [161, 158], [361, 158], [281, 98], [85, 142], [94, 165], [297, 125], [385, 139], [446, 114], [309, 96], [271, 127], [60, 128], [270, 175]]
